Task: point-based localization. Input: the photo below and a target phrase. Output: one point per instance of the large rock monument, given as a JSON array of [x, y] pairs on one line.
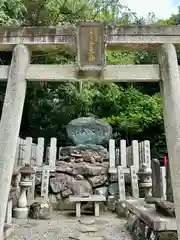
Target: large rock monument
[[82, 167], [88, 130]]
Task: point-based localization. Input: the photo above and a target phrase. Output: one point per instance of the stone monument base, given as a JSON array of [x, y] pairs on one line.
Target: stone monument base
[[20, 213]]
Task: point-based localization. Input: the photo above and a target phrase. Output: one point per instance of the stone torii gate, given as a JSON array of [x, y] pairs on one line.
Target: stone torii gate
[[90, 40]]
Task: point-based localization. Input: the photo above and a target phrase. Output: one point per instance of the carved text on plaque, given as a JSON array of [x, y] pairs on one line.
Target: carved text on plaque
[[90, 45]]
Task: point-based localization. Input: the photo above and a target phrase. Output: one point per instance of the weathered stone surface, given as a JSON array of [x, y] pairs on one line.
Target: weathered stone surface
[[113, 189], [8, 230], [85, 152], [15, 179], [60, 182], [78, 160], [58, 196], [65, 152], [64, 167], [76, 165], [74, 237], [87, 221], [86, 229], [89, 169], [103, 164], [40, 210], [121, 209], [83, 169], [53, 201], [14, 193], [83, 236], [167, 235], [79, 177], [97, 181], [101, 191], [169, 70], [66, 193], [67, 185], [38, 179], [10, 122], [80, 171], [165, 207], [111, 203], [151, 200], [88, 130], [65, 204], [113, 178]]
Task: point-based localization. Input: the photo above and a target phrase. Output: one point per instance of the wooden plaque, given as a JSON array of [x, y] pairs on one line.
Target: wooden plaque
[[90, 45]]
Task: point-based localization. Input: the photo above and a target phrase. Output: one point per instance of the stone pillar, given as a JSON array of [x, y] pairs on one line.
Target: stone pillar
[[169, 192], [156, 178], [10, 123], [171, 106]]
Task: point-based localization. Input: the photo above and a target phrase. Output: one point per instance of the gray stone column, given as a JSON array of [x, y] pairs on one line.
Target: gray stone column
[[10, 123], [171, 107], [169, 191]]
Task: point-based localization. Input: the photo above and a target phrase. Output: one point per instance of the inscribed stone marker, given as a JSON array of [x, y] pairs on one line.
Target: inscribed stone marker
[[53, 151], [117, 157], [28, 147], [88, 130], [156, 186], [45, 182], [135, 154], [123, 153], [134, 182], [112, 154], [40, 152], [121, 183], [147, 153], [163, 182]]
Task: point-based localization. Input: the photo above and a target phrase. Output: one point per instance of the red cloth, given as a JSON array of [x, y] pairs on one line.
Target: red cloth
[[165, 161]]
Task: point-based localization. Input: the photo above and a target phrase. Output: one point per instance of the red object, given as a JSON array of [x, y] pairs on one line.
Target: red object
[[165, 161]]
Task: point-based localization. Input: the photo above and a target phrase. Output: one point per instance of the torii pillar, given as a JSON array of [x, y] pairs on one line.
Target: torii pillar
[[10, 123], [171, 106]]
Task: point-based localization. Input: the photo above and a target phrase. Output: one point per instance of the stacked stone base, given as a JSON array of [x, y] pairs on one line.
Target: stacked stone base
[[82, 169]]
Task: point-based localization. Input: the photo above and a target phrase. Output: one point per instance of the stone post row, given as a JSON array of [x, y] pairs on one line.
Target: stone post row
[[10, 122]]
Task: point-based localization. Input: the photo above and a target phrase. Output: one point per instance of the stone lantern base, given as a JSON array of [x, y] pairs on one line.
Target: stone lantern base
[[20, 213]]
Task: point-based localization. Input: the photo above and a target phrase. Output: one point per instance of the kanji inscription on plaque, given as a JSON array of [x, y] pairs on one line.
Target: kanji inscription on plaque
[[90, 44]]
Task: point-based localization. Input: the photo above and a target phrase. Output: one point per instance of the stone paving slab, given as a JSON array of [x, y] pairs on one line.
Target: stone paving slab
[[64, 227]]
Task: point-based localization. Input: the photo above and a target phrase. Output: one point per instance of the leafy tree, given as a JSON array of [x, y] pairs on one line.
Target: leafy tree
[[11, 12], [134, 110]]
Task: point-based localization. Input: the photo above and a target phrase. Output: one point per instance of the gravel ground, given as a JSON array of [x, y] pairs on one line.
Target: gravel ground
[[63, 226]]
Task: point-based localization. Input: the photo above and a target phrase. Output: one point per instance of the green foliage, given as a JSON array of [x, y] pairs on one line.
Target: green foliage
[[120, 57], [137, 112], [175, 18], [134, 110], [11, 12]]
